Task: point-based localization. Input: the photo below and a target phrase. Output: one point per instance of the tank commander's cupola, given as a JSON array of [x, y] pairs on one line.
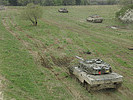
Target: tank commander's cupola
[[99, 61]]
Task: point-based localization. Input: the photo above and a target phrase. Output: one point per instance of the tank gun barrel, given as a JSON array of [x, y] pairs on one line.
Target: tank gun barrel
[[79, 58]]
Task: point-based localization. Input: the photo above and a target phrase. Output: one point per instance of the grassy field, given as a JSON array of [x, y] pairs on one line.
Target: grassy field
[[34, 60]]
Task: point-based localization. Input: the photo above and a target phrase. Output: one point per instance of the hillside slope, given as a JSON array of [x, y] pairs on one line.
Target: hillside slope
[[34, 60]]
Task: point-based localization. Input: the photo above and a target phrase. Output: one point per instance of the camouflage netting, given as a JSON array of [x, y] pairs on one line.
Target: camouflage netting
[[127, 17], [125, 14]]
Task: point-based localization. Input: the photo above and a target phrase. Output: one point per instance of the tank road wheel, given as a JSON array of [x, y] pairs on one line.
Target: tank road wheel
[[81, 83], [73, 76], [87, 86], [71, 71], [77, 79], [118, 85], [101, 21]]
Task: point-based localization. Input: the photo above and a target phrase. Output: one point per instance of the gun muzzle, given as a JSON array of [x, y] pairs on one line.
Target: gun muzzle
[[79, 58]]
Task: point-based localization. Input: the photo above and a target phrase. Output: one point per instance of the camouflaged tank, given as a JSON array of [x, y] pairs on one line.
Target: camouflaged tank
[[2, 7], [95, 74], [63, 10], [95, 19]]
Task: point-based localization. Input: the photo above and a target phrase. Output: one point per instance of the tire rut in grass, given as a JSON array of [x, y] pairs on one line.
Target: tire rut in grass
[[76, 94]]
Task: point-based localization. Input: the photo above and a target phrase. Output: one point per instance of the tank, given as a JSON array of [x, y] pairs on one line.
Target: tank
[[63, 10], [95, 19], [95, 74], [2, 7]]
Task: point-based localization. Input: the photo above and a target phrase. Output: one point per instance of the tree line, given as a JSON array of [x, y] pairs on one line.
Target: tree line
[[55, 2], [126, 2]]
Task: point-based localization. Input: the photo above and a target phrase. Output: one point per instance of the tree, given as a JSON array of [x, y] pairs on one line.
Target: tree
[[68, 2], [126, 2], [57, 2], [49, 2], [78, 2], [4, 2], [13, 2], [32, 13], [111, 2], [85, 2]]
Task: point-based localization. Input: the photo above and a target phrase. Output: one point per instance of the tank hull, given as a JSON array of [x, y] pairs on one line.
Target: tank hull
[[97, 82], [94, 20], [63, 11]]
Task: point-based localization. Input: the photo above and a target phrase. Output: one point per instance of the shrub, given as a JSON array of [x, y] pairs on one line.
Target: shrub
[[32, 13], [123, 10]]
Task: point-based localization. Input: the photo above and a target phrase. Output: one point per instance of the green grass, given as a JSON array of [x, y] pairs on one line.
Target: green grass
[[59, 38]]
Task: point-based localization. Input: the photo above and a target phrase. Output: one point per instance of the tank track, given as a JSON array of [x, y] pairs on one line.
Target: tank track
[[95, 88]]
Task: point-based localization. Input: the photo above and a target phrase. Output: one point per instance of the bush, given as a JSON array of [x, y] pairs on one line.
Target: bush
[[123, 10]]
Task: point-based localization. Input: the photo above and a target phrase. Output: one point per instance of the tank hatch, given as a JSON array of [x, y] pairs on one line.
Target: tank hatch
[[95, 67]]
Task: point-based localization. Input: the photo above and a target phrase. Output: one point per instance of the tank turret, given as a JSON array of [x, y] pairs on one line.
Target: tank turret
[[63, 10], [94, 66], [95, 19]]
